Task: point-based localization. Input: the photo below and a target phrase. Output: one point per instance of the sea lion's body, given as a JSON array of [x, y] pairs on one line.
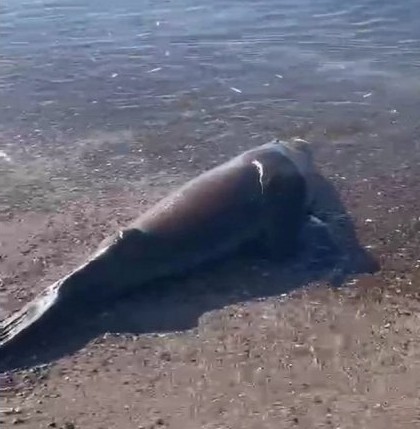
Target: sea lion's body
[[259, 195]]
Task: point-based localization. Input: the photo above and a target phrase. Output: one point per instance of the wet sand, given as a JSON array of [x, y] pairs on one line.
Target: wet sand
[[225, 347]]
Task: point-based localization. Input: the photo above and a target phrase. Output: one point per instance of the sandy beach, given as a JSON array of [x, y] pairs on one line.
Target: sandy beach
[[225, 346]]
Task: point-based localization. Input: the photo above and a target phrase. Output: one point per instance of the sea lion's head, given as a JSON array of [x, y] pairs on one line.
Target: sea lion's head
[[299, 152]]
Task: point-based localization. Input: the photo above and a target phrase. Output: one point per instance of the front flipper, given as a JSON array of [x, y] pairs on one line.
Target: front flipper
[[319, 237], [281, 236], [284, 216]]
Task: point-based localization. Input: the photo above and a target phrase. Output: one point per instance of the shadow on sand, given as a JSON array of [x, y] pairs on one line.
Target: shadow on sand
[[177, 304]]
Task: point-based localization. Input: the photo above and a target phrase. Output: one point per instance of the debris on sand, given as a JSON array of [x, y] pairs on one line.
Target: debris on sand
[[236, 90], [3, 155]]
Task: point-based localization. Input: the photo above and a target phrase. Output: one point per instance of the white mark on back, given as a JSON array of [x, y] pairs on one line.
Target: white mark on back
[[260, 169]]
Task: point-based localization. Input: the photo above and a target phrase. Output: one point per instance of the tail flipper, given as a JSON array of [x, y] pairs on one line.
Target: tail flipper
[[59, 299]]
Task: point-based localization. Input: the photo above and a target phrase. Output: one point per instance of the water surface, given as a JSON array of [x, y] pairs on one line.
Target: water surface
[[98, 92]]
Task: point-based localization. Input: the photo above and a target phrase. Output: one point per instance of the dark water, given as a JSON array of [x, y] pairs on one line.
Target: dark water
[[97, 91]]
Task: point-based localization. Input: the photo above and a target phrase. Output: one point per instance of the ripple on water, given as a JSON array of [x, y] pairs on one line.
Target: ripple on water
[[71, 68]]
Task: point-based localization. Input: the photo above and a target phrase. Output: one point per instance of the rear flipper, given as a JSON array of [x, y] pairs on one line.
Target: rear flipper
[[29, 316], [62, 298], [106, 275]]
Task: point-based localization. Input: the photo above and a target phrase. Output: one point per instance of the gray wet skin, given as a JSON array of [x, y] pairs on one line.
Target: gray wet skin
[[262, 194]]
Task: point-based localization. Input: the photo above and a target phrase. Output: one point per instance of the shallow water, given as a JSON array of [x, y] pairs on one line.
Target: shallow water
[[97, 93]]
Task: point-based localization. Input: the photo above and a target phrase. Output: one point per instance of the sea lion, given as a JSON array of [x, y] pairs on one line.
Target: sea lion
[[263, 194]]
